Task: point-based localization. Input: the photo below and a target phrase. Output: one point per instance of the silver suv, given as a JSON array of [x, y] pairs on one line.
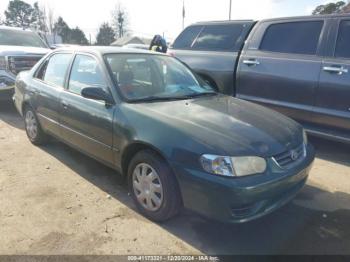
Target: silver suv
[[19, 51]]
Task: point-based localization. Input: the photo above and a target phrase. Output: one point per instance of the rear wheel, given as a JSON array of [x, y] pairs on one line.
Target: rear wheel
[[33, 129], [153, 186]]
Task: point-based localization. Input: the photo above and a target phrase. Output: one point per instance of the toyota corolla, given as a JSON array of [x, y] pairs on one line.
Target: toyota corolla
[[176, 141]]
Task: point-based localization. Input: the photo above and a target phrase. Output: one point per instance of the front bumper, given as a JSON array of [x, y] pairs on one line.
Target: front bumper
[[239, 200]]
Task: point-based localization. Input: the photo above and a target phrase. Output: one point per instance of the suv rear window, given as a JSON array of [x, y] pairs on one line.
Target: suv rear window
[[186, 38], [20, 38], [343, 42], [211, 37], [293, 37], [219, 37]]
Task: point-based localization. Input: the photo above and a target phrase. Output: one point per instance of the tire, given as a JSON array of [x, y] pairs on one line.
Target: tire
[[163, 200], [33, 129]]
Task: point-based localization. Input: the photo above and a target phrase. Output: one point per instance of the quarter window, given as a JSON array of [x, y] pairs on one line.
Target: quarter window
[[41, 72], [56, 69], [85, 73], [294, 37], [343, 42]]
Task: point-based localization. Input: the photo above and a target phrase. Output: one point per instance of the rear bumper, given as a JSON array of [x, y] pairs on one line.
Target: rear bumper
[[239, 200]]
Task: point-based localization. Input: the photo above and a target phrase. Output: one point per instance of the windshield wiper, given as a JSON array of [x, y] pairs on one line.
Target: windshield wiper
[[157, 98], [200, 94], [170, 98]]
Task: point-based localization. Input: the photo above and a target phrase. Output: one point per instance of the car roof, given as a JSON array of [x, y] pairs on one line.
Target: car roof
[[223, 22], [102, 50], [308, 17], [15, 28]]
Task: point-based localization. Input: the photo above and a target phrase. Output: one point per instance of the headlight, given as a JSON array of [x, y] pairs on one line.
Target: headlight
[[2, 63], [233, 166], [305, 137]]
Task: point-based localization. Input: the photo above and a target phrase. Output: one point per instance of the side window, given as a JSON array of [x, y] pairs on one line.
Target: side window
[[85, 73], [186, 38], [219, 37], [343, 42], [293, 38], [56, 69]]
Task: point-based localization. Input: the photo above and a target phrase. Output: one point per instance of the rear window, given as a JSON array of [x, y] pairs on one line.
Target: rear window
[[55, 71], [186, 38], [20, 38], [343, 42], [219, 37], [211, 38], [294, 37]]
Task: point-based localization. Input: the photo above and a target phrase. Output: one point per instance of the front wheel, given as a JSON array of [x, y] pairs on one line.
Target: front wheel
[[33, 129], [153, 186]]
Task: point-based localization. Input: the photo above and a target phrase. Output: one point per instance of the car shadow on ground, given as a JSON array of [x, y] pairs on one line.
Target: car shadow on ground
[[9, 115], [331, 151], [293, 229]]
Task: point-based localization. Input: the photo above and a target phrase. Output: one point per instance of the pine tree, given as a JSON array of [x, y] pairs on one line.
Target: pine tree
[[331, 8], [106, 35], [20, 14]]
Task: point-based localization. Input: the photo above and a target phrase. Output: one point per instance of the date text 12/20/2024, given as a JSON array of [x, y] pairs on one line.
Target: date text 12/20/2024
[[173, 258]]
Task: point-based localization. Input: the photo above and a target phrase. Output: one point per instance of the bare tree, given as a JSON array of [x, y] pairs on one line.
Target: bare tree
[[50, 19], [40, 15], [120, 20]]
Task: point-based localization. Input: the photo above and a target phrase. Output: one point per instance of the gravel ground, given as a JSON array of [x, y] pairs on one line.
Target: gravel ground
[[54, 200]]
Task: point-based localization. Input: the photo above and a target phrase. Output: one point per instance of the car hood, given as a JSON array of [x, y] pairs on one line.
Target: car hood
[[225, 125], [6, 50]]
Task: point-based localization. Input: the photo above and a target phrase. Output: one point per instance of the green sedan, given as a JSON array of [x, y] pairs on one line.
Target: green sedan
[[176, 141]]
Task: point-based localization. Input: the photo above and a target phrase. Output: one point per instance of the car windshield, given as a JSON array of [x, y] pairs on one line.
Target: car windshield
[[150, 77], [20, 38]]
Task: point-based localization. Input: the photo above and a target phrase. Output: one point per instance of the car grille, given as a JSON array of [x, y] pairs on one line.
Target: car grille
[[21, 63], [289, 158]]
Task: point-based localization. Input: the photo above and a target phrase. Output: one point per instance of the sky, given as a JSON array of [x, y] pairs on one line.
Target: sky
[[150, 17]]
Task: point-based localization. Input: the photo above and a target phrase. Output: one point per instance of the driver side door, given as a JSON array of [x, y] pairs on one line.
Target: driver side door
[[87, 124]]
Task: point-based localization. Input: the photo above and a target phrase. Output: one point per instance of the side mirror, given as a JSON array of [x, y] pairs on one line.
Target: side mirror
[[97, 93]]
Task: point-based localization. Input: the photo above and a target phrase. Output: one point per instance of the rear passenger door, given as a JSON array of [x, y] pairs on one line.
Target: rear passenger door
[[280, 66], [332, 107], [49, 83]]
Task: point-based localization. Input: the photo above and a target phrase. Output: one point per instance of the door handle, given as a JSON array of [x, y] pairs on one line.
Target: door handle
[[251, 62], [64, 104], [335, 69]]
